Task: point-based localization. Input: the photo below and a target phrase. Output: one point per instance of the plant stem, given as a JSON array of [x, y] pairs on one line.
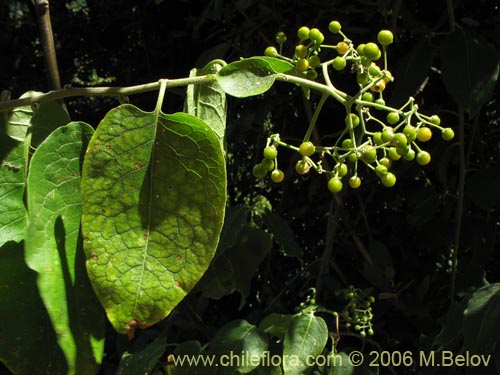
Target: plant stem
[[315, 116], [104, 91], [47, 39]]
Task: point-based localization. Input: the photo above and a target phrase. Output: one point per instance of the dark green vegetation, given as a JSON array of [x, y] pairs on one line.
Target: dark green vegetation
[[398, 254]]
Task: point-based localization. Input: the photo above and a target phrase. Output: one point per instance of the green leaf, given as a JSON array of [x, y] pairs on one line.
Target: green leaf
[[452, 328], [340, 364], [208, 102], [411, 72], [12, 211], [470, 67], [276, 324], [46, 118], [243, 339], [482, 319], [20, 118], [235, 268], [154, 194], [283, 234], [234, 220], [306, 336], [143, 361], [28, 344], [52, 243], [252, 76]]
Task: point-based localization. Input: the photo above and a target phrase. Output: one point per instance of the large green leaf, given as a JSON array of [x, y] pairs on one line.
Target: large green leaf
[[154, 194], [470, 68], [252, 76], [53, 246], [28, 344], [482, 319], [46, 118], [244, 340], [19, 119], [12, 211], [208, 102], [305, 339]]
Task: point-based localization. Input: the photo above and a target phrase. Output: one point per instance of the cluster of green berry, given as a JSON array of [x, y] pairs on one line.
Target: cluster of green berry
[[373, 133], [358, 311]]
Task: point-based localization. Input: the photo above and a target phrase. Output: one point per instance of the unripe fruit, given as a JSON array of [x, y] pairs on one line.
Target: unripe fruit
[[354, 182], [307, 148], [448, 134], [302, 65], [334, 184], [377, 138], [334, 27], [277, 176], [268, 164], [423, 158], [393, 154], [347, 143], [424, 134], [302, 167], [399, 140], [339, 63], [393, 118], [367, 97], [280, 37], [316, 36], [314, 61], [388, 180], [259, 171], [387, 134], [371, 50], [380, 170], [303, 33], [369, 154], [301, 51], [354, 118], [341, 169], [271, 51], [362, 79], [410, 155], [379, 86], [434, 119], [410, 132], [385, 37], [270, 152], [386, 162]]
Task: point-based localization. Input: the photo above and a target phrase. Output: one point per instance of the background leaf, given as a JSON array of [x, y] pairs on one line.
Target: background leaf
[[470, 68], [252, 76], [239, 337], [154, 193], [52, 243], [283, 234], [482, 319], [306, 336], [46, 118], [143, 361], [12, 211], [19, 119], [28, 343], [208, 102]]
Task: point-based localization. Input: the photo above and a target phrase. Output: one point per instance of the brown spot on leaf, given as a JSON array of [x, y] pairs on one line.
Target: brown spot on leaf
[[137, 165], [94, 256], [177, 284], [145, 237], [132, 187], [108, 147], [179, 257]]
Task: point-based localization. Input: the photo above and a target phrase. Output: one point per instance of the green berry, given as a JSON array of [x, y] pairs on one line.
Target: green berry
[[339, 63], [341, 169], [393, 154], [271, 51], [399, 140], [369, 154], [347, 143], [259, 171], [362, 79], [388, 180], [381, 170], [360, 49], [423, 158], [410, 155], [280, 37], [367, 97], [434, 119], [424, 134], [316, 36], [354, 182], [410, 132], [386, 161], [385, 37], [371, 332], [371, 50], [377, 138], [387, 134], [302, 167], [268, 164], [277, 176], [307, 148], [311, 74], [314, 61], [354, 118], [302, 65], [334, 184], [447, 134], [270, 152], [352, 157], [303, 33], [301, 51], [334, 27], [380, 101], [393, 118]]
